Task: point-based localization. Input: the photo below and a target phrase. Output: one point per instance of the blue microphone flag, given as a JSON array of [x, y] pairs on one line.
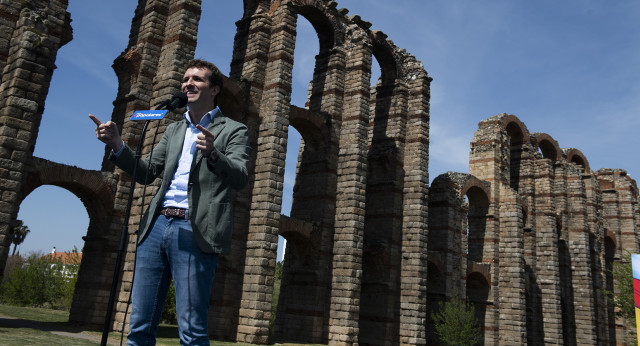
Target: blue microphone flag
[[148, 115]]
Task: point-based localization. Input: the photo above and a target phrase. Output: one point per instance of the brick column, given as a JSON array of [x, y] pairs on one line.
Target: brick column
[[251, 47], [257, 288], [593, 199], [547, 253], [584, 306], [413, 276], [351, 187], [37, 29], [510, 286], [384, 204], [490, 151], [303, 307]]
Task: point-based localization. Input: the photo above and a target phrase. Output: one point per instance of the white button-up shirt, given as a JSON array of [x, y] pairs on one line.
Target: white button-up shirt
[[176, 195]]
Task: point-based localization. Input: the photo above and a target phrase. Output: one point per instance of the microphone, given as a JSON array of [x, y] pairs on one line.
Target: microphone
[[178, 100]]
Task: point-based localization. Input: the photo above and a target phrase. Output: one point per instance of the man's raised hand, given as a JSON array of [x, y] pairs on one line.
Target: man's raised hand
[[205, 141], [108, 133]]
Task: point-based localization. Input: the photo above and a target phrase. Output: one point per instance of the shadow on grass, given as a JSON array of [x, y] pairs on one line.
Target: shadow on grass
[[166, 333], [44, 326]]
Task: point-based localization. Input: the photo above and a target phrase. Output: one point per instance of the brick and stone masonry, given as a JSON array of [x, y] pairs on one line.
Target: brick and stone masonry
[[527, 235]]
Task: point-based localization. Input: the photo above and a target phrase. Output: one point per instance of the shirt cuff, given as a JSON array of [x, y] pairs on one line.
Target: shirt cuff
[[119, 151]]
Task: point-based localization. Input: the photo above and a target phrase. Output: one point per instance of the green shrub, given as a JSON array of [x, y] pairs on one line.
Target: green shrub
[[455, 323], [40, 281], [623, 297], [169, 310]]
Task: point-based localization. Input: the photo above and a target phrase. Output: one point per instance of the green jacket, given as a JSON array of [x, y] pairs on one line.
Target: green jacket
[[210, 188]]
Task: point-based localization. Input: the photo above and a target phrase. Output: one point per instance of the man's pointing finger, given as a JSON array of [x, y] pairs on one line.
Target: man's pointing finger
[[204, 131], [95, 120]]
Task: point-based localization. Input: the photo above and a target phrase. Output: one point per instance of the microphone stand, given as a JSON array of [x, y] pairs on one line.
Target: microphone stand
[[125, 230]]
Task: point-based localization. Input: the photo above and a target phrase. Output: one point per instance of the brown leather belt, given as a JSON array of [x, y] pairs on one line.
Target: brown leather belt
[[178, 213]]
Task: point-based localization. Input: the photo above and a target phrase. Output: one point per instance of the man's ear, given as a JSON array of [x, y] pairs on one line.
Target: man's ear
[[215, 90]]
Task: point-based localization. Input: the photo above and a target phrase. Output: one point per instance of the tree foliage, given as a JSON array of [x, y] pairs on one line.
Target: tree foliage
[[169, 314], [41, 281], [455, 323], [18, 234], [623, 297]]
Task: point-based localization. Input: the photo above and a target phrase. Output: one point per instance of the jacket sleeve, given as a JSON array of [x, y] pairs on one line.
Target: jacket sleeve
[[233, 164], [149, 168]]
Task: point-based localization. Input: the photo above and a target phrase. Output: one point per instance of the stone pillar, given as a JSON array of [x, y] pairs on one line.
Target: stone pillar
[[251, 47], [446, 244], [618, 201], [593, 197], [350, 201], [510, 317], [384, 204], [262, 242], [303, 307], [547, 253], [36, 30], [627, 195], [413, 276], [584, 304], [489, 157]]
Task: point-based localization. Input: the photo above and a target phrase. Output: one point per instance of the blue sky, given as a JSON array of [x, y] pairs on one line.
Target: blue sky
[[567, 68]]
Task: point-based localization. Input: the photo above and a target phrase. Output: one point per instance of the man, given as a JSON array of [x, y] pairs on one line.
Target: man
[[188, 223]]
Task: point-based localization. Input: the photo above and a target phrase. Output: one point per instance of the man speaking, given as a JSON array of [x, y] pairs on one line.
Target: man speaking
[[188, 223]]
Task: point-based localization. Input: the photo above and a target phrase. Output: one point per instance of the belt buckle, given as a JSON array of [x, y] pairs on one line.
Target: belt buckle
[[176, 212]]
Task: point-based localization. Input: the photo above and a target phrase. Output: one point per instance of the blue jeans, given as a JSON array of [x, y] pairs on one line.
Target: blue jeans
[[169, 251]]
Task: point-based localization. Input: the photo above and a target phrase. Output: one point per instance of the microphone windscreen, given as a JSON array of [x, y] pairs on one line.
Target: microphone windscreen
[[179, 100]]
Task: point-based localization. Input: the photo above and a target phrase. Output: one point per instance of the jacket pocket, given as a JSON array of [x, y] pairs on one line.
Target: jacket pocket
[[218, 232]]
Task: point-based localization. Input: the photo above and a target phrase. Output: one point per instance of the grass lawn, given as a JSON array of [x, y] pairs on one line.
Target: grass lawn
[[34, 326]]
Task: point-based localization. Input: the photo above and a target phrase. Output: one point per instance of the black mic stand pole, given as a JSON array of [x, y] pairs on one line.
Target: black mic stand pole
[[124, 233]]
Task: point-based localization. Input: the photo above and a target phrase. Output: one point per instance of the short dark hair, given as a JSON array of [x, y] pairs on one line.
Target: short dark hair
[[216, 75]]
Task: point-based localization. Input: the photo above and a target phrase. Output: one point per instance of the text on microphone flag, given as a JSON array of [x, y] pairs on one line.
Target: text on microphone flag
[[148, 115]]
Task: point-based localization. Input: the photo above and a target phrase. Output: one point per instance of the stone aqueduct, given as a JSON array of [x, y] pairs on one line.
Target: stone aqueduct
[[527, 235]]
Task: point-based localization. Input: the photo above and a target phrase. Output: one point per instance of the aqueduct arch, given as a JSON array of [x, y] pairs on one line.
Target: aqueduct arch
[[372, 247], [96, 191]]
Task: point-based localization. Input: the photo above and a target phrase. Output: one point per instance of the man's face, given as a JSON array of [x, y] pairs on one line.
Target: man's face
[[195, 84]]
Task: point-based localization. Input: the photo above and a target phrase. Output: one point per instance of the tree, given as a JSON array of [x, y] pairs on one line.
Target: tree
[[42, 281], [18, 233], [623, 298], [455, 323]]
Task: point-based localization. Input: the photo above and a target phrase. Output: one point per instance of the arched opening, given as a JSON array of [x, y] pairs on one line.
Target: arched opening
[[96, 241], [55, 216], [478, 294], [576, 157], [62, 223], [578, 161], [99, 35], [548, 150], [477, 224], [376, 73]]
